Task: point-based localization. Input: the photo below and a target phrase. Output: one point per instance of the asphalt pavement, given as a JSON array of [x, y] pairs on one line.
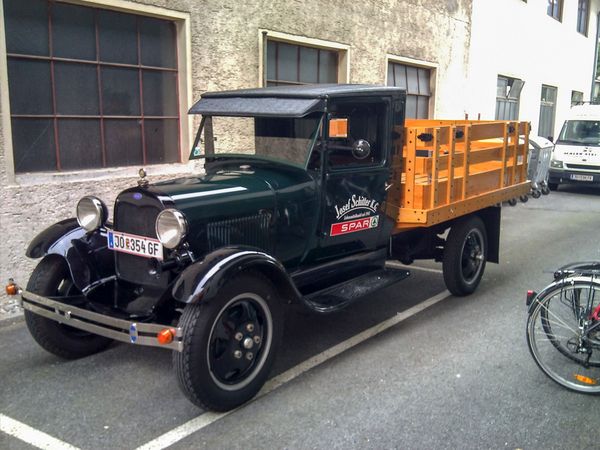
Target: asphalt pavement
[[410, 367]]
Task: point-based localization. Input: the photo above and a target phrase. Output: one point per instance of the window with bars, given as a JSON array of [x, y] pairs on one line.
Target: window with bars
[[289, 64], [547, 111], [508, 93], [416, 81], [555, 8], [583, 12], [90, 88]]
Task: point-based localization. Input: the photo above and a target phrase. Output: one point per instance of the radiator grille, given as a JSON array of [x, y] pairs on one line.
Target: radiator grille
[[250, 230], [582, 167], [136, 216]]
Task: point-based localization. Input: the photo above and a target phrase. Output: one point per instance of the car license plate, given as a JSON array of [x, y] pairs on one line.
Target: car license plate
[[577, 177], [135, 245]]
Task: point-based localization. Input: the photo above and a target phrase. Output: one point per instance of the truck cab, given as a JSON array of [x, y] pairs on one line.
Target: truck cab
[[576, 154]]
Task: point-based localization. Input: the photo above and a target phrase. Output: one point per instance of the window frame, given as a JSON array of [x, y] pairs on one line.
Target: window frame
[[510, 97], [419, 64], [182, 26], [575, 94], [583, 8], [264, 35], [557, 7], [384, 143], [548, 104]]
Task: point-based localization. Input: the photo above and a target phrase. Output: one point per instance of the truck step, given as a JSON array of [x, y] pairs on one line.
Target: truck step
[[341, 295]]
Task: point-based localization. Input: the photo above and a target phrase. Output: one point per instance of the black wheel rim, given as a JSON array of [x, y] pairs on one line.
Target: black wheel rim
[[239, 341], [472, 257]]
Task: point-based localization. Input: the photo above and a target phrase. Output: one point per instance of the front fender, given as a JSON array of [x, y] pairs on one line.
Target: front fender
[[203, 280], [56, 239], [86, 254]]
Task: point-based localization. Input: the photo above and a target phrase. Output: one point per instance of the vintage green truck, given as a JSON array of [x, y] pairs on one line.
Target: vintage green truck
[[304, 193]]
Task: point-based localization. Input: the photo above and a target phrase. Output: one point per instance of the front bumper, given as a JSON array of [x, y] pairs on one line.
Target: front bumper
[[100, 324], [573, 176]]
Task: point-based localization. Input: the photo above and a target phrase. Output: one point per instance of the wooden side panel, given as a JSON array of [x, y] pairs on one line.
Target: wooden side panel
[[446, 163]]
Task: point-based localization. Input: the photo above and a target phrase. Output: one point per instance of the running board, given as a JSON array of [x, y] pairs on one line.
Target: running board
[[341, 295]]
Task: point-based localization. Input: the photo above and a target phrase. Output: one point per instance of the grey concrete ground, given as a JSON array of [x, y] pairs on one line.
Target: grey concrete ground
[[457, 375]]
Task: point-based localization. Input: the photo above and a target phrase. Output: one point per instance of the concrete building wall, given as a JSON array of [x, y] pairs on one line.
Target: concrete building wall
[[219, 44], [520, 40]]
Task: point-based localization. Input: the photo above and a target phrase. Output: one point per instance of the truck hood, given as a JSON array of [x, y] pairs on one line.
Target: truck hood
[[216, 196], [577, 154], [232, 190]]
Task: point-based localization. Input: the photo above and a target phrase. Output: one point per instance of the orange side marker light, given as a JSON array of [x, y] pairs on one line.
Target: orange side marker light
[[165, 336], [585, 380], [11, 287]]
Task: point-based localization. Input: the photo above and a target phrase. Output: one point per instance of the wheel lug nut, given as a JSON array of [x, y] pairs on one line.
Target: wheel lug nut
[[238, 336], [257, 339], [250, 327], [249, 356], [237, 354]]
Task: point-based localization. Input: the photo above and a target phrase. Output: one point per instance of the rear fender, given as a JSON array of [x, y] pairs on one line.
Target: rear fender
[[204, 279]]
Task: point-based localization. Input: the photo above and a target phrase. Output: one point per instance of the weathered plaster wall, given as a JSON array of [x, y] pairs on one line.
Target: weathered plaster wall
[[225, 55]]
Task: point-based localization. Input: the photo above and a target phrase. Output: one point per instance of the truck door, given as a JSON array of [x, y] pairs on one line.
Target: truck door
[[355, 175]]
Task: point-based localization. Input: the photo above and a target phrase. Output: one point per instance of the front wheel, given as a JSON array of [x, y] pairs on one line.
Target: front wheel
[[465, 255], [52, 278], [229, 343], [563, 335], [553, 186]]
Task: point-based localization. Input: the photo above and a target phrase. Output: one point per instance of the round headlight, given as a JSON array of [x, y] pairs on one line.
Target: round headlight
[[171, 227], [91, 213]]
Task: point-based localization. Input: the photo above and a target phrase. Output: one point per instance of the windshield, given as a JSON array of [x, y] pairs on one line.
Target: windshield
[[288, 140], [580, 132]]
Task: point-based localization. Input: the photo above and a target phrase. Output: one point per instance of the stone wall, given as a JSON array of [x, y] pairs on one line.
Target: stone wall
[[225, 55]]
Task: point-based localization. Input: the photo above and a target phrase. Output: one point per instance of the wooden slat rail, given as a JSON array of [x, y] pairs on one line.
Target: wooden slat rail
[[411, 156], [465, 181], [445, 163]]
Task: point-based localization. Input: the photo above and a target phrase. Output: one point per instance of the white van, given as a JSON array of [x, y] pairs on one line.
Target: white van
[[576, 154]]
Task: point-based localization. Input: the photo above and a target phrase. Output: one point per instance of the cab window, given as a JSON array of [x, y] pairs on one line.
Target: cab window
[[356, 132]]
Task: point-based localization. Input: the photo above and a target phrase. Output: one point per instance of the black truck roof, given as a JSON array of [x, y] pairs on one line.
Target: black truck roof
[[284, 101]]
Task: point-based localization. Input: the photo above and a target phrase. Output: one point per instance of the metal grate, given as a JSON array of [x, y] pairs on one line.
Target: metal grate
[[582, 167], [251, 230], [136, 217]]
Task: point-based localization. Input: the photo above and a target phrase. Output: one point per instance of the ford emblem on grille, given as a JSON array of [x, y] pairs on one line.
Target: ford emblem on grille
[[137, 196]]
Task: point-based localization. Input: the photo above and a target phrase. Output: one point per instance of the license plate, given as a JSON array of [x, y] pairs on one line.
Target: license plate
[[135, 245], [577, 177]]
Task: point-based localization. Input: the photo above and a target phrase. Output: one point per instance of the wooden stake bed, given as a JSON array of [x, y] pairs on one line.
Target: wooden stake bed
[[445, 169]]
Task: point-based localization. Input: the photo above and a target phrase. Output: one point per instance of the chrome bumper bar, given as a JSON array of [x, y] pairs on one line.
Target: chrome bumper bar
[[110, 327]]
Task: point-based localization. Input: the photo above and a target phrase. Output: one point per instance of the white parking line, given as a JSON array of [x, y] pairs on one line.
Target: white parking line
[[411, 267], [32, 436], [196, 424]]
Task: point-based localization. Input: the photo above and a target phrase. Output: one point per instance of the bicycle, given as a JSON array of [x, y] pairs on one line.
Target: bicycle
[[563, 327]]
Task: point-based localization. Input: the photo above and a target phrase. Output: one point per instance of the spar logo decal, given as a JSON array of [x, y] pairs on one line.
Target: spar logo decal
[[355, 215], [354, 225]]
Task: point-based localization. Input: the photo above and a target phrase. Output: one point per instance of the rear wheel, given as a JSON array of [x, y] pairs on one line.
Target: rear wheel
[[465, 255], [563, 335], [52, 278], [229, 343]]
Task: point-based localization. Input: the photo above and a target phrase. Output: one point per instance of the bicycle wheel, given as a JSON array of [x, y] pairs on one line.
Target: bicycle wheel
[[563, 334]]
